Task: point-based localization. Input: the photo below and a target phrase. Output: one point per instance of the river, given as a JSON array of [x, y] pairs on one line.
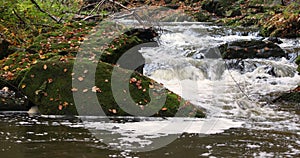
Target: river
[[240, 123]]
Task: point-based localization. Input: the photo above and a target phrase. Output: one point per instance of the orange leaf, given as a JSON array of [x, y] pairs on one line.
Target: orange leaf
[[50, 80], [80, 78], [60, 107], [164, 109], [74, 89]]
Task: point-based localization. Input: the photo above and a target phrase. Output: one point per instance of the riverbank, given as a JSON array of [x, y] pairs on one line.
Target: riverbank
[[41, 68]]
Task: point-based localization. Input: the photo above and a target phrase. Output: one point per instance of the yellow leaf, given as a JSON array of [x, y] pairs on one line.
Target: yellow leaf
[[5, 68], [23, 86], [42, 56]]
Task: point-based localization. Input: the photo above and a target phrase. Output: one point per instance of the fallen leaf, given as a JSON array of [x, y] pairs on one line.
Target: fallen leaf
[[65, 70], [114, 111], [42, 56], [65, 104], [23, 86], [142, 107], [45, 67], [151, 86], [96, 89], [85, 71], [50, 80], [85, 90], [5, 68], [74, 89], [106, 80], [133, 80], [80, 78], [164, 109], [60, 107]]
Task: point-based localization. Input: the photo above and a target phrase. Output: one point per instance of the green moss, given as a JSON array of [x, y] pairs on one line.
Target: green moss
[[48, 84], [112, 54]]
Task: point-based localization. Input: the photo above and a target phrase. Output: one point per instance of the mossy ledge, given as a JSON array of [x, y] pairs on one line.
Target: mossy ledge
[[48, 84]]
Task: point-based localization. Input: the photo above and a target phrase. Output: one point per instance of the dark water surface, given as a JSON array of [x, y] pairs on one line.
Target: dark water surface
[[24, 136]]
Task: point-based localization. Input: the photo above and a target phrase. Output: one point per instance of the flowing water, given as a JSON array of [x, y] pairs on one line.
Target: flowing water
[[240, 122]]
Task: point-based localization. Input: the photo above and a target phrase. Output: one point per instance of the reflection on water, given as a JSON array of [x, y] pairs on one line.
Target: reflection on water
[[24, 136]]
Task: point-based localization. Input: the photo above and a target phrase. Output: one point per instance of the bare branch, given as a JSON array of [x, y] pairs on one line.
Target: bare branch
[[91, 16], [19, 17], [40, 9]]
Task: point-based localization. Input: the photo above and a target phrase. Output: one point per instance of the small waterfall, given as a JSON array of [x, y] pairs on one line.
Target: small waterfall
[[188, 63]]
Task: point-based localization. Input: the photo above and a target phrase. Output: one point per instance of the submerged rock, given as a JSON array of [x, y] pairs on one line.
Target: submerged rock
[[12, 101], [250, 49], [289, 101]]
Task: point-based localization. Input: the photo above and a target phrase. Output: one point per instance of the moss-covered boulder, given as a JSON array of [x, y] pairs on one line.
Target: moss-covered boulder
[[250, 49], [49, 85], [130, 42]]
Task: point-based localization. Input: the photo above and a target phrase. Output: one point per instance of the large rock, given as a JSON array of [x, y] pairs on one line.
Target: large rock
[[134, 39], [49, 85], [250, 49]]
